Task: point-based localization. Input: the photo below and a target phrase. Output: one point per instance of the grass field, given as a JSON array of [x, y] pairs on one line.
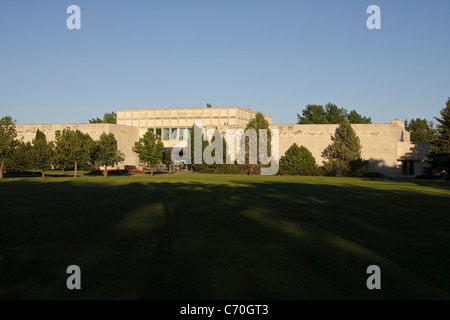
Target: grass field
[[193, 236]]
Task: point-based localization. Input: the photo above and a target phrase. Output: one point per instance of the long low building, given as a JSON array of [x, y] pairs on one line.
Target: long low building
[[387, 146]]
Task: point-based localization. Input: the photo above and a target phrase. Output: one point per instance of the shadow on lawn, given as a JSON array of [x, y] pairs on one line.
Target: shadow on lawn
[[264, 240]]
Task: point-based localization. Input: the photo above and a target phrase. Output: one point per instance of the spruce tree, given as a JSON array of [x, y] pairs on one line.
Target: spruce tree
[[440, 150], [344, 153]]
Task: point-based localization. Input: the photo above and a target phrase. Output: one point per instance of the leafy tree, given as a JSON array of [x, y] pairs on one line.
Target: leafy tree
[[440, 149], [107, 118], [331, 114], [312, 114], [208, 105], [106, 152], [20, 158], [41, 153], [150, 149], [421, 130], [167, 159], [344, 153], [298, 161], [8, 140], [73, 148]]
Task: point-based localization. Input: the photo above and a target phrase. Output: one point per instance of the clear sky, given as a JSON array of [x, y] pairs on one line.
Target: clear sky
[[275, 56]]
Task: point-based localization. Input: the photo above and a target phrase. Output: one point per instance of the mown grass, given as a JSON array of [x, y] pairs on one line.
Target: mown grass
[[193, 236]]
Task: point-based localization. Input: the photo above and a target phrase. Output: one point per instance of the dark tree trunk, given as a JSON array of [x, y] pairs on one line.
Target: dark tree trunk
[[76, 167], [1, 168], [151, 170], [170, 169], [43, 174]]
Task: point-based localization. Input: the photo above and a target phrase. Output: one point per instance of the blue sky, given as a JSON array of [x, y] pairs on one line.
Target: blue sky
[[276, 56]]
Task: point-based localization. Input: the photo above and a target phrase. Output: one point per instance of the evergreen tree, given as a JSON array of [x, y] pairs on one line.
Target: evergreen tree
[[150, 149], [440, 149], [355, 117], [344, 153], [421, 130], [257, 123], [107, 118], [298, 161], [41, 153], [8, 140], [107, 153]]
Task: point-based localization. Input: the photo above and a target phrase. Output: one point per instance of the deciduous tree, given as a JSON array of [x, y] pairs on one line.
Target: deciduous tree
[[41, 153], [8, 140], [150, 149], [107, 152]]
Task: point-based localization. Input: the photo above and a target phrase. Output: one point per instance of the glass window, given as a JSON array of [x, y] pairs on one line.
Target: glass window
[[182, 131], [174, 133], [408, 168], [158, 133], [166, 135]]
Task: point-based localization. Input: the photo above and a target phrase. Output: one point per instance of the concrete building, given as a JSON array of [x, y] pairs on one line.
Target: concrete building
[[387, 146]]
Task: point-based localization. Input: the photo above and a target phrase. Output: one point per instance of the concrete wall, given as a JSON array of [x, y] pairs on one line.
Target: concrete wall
[[185, 117], [384, 145], [125, 135]]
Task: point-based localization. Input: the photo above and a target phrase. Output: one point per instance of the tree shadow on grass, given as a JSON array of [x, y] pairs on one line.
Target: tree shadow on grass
[[248, 240]]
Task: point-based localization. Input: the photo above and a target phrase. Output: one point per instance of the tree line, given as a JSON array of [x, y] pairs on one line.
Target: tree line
[[343, 155], [71, 148]]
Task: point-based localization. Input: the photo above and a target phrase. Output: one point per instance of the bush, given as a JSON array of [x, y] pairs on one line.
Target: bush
[[298, 161]]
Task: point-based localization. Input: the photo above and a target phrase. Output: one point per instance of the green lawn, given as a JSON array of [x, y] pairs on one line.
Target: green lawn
[[193, 236]]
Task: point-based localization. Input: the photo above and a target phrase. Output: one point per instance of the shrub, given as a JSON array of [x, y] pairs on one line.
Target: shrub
[[298, 161]]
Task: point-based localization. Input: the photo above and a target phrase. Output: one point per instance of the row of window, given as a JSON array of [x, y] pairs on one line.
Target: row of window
[[171, 133]]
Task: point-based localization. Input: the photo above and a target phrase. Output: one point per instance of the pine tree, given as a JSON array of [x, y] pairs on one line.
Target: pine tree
[[344, 153], [150, 149], [440, 150], [421, 130]]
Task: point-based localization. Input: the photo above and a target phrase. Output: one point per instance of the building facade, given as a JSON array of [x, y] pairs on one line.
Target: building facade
[[387, 146]]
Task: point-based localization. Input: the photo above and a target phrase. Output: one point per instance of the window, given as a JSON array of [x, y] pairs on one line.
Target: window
[[158, 133], [407, 168], [174, 133], [182, 132], [166, 134]]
